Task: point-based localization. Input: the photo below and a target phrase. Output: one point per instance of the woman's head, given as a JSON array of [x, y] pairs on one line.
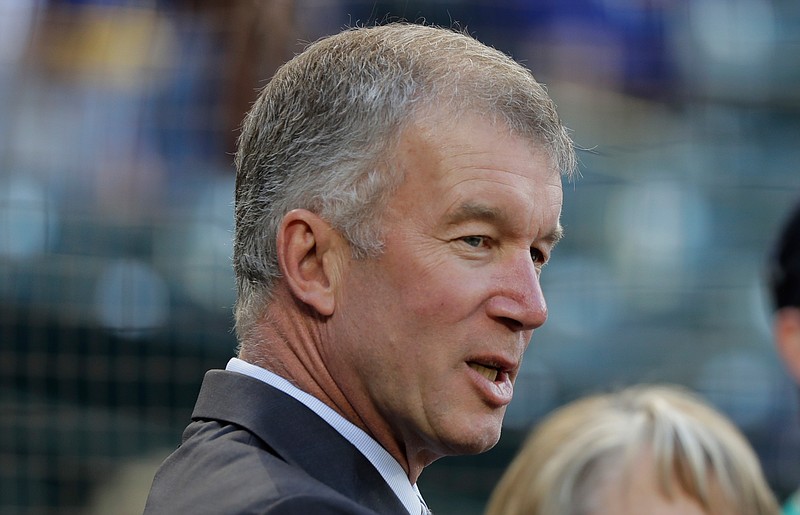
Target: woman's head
[[639, 450]]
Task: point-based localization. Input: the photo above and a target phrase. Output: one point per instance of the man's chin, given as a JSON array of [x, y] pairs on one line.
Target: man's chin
[[475, 443]]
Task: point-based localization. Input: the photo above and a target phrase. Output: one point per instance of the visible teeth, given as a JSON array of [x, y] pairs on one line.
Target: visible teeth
[[488, 373]]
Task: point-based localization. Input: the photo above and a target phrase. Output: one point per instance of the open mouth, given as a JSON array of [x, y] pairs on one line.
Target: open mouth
[[489, 373]]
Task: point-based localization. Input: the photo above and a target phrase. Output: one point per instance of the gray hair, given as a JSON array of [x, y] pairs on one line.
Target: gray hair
[[321, 133], [593, 442]]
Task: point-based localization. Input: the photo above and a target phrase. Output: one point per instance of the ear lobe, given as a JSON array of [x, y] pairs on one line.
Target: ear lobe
[[787, 338], [306, 244]]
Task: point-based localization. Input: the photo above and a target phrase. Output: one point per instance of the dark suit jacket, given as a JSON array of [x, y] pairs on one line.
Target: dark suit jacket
[[250, 448]]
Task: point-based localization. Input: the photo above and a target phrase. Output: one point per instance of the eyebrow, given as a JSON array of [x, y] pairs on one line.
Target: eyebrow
[[471, 211], [554, 236]]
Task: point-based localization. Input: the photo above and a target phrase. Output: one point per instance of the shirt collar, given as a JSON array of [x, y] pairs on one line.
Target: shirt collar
[[387, 466]]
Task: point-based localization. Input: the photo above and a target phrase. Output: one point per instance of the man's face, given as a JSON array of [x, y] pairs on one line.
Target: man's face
[[430, 335]]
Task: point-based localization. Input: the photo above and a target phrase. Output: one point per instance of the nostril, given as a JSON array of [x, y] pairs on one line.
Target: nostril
[[511, 323]]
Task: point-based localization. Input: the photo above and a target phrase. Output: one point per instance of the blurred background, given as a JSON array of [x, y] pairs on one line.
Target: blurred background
[[117, 124]]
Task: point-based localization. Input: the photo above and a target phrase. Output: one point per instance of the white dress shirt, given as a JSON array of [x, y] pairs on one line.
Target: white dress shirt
[[387, 466]]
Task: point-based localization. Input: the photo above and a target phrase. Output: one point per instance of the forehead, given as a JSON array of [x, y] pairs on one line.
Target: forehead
[[636, 488], [471, 166], [466, 133], [471, 126]]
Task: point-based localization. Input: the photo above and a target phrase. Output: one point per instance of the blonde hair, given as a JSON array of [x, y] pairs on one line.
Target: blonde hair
[[695, 450]]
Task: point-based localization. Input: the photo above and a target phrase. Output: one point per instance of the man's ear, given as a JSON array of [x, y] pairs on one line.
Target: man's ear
[[309, 252], [787, 338]]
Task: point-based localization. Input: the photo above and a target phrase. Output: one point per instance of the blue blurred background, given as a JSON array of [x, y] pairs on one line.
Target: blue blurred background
[[117, 124]]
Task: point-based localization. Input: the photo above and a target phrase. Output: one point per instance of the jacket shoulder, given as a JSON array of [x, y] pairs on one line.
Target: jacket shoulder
[[222, 468]]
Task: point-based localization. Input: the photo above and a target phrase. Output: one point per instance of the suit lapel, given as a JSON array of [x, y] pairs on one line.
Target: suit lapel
[[296, 434]]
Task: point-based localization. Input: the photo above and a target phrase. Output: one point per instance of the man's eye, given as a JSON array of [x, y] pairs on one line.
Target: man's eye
[[537, 256], [474, 241]]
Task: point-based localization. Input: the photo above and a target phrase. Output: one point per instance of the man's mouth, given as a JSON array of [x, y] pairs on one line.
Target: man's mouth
[[487, 372]]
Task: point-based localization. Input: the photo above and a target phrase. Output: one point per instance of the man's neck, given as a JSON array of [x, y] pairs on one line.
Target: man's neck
[[288, 343]]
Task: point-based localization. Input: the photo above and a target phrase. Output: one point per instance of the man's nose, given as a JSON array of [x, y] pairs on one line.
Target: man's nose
[[519, 302]]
